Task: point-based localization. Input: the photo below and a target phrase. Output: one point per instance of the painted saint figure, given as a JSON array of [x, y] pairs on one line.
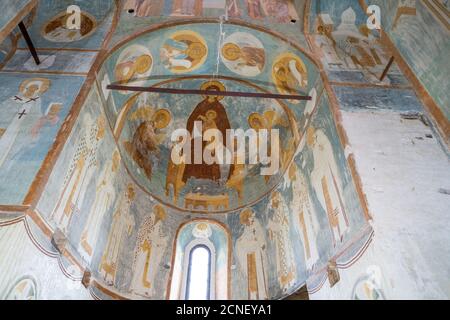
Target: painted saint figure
[[279, 233], [22, 113], [244, 54], [187, 8], [183, 51], [233, 8], [122, 224], [151, 242], [282, 11], [255, 9], [251, 255], [104, 198], [326, 183], [302, 208], [289, 73], [81, 171]]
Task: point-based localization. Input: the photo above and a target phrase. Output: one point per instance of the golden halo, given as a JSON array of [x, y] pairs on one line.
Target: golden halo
[[278, 67], [213, 86], [202, 226], [160, 213], [245, 216], [45, 84], [143, 63], [256, 121], [196, 50], [231, 51], [211, 114], [161, 118], [285, 81]]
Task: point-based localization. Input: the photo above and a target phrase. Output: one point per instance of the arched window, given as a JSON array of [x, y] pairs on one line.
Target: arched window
[[201, 265], [199, 274]]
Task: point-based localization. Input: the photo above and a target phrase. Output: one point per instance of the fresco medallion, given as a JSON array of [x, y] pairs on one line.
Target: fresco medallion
[[184, 51], [134, 64], [55, 29], [289, 74], [244, 54]]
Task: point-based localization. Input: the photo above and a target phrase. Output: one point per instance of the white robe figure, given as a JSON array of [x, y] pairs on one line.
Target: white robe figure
[[23, 113], [328, 50], [148, 253], [79, 175], [122, 224], [104, 198], [279, 230], [307, 220], [326, 183], [309, 108], [296, 73], [251, 255]]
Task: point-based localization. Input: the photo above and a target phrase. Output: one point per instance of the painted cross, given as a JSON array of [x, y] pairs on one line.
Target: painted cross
[[21, 114], [32, 100]]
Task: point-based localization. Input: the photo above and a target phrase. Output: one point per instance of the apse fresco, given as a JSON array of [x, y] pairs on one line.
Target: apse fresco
[[127, 214], [147, 147]]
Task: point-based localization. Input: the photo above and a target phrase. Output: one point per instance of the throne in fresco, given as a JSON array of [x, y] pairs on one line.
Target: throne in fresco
[[206, 202], [175, 179]]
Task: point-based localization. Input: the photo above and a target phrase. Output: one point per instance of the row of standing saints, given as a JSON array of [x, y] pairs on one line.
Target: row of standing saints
[[153, 240]]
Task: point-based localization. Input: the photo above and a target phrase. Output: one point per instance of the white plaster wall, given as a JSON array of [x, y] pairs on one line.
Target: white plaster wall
[[401, 177], [20, 258]]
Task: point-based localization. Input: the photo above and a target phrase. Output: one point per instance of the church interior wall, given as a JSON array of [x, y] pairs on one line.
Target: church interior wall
[[126, 217], [102, 202], [421, 34], [392, 138], [36, 273]]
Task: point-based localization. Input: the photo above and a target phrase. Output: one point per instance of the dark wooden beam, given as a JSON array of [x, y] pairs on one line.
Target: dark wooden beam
[[30, 45], [208, 92], [386, 70]]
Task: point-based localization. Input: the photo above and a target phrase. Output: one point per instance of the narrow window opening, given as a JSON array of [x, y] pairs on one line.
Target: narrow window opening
[[199, 274]]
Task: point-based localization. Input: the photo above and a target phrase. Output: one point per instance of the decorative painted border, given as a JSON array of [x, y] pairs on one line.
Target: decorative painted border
[[318, 279]]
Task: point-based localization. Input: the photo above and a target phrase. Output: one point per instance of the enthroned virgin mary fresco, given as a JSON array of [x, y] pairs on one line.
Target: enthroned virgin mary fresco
[[211, 113]]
